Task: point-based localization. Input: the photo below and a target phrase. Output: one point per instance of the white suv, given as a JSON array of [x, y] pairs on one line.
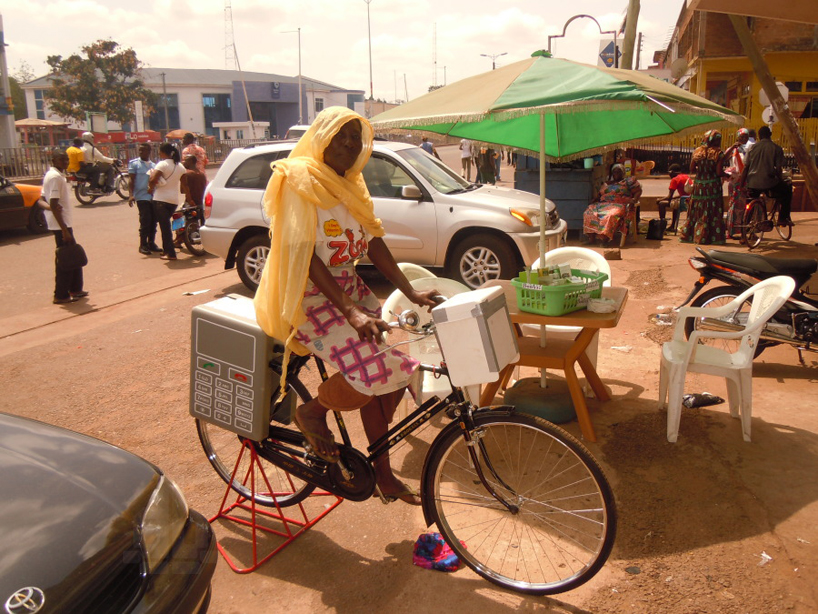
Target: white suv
[[431, 215]]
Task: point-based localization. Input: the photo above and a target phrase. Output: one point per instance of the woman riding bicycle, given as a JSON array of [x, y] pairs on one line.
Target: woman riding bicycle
[[321, 222]]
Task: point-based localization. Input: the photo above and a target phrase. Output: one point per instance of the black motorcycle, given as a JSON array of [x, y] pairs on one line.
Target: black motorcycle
[[186, 222], [796, 323], [87, 194]]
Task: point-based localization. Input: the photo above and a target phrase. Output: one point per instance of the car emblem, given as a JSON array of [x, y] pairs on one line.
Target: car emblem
[[25, 601]]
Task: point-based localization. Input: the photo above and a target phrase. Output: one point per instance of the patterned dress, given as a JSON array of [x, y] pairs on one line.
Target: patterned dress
[[705, 216], [608, 216], [340, 241]]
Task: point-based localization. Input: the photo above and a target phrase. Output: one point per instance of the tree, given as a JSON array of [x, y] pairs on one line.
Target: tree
[[18, 97], [105, 81]]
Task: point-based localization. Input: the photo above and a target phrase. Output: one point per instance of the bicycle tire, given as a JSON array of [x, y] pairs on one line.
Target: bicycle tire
[[754, 216], [566, 525], [785, 232], [222, 448]]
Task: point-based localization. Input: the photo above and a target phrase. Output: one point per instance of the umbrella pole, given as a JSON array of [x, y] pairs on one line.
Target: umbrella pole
[[543, 219]]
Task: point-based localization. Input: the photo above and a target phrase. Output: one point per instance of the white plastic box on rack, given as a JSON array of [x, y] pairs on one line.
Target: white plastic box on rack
[[476, 336]]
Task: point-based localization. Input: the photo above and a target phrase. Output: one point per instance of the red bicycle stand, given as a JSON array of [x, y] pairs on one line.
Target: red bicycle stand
[[264, 523]]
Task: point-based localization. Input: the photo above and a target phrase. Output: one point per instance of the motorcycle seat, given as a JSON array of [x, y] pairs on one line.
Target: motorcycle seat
[[800, 269]]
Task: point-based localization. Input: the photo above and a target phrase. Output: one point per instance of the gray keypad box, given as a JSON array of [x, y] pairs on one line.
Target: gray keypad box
[[230, 380]]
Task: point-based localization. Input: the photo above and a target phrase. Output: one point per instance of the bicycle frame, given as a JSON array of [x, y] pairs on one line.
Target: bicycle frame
[[314, 470]]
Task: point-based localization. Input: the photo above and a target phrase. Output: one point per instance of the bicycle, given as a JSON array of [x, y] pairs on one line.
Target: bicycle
[[756, 221], [533, 507]]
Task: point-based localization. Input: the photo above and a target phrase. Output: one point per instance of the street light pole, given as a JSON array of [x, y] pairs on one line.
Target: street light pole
[[493, 57], [300, 102], [369, 32]]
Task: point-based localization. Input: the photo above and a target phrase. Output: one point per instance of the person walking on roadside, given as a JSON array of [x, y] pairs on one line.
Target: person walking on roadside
[[164, 185], [59, 217], [734, 161], [139, 173], [465, 159], [192, 149], [485, 165], [426, 145], [705, 214], [764, 172], [76, 156]]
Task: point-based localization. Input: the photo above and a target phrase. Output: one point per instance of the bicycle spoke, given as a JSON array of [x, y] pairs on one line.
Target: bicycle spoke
[[559, 530]]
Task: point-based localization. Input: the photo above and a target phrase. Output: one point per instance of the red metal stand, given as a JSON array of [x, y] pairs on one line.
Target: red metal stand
[[288, 528]]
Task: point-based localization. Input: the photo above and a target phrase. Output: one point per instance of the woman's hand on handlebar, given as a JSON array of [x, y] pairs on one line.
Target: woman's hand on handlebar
[[368, 327], [425, 298]]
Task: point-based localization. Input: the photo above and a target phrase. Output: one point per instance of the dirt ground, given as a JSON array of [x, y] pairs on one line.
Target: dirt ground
[[708, 524]]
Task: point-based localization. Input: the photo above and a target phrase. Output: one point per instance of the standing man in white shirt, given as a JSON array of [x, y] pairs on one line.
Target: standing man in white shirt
[[465, 159], [68, 284]]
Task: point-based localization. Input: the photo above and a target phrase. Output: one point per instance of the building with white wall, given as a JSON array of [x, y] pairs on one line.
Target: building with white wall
[[193, 99]]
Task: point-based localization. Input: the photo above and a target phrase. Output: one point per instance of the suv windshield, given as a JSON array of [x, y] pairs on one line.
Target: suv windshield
[[442, 178]]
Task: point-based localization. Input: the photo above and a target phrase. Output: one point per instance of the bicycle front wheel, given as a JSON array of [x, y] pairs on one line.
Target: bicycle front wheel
[[785, 232], [222, 448], [754, 218], [562, 524]]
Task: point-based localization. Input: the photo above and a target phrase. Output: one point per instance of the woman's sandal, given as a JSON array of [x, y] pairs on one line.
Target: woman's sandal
[[407, 495], [312, 438]]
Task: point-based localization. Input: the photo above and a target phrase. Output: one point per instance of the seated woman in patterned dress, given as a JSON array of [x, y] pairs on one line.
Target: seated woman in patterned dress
[[608, 213], [322, 222]]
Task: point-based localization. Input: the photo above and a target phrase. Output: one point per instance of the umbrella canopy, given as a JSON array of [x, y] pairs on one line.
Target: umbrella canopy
[[586, 109], [178, 133], [37, 123]]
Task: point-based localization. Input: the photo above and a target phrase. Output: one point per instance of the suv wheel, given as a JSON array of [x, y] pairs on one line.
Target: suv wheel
[[480, 258], [251, 258]]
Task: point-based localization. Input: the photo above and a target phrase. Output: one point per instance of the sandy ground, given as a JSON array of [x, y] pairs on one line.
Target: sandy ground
[[709, 524]]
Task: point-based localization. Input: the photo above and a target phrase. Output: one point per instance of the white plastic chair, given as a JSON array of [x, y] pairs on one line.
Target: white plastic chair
[[424, 350], [578, 258], [682, 355]]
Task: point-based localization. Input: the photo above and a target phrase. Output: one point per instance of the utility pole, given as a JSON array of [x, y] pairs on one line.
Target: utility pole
[[630, 34], [638, 50], [781, 108], [300, 102], [165, 102], [8, 131], [369, 32]]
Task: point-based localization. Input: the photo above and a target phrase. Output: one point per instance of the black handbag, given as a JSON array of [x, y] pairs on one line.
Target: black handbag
[[71, 256], [656, 229]]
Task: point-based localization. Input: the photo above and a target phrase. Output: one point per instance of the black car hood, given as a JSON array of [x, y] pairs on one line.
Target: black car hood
[[67, 501]]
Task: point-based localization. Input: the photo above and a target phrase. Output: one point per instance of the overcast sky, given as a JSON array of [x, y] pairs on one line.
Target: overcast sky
[[406, 35]]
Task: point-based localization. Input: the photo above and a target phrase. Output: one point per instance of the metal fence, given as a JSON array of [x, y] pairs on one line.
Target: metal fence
[[32, 161]]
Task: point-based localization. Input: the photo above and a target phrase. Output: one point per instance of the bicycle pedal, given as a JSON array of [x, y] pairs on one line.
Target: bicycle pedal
[[384, 499]]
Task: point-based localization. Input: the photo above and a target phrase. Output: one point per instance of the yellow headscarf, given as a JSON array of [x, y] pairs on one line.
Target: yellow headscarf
[[299, 184]]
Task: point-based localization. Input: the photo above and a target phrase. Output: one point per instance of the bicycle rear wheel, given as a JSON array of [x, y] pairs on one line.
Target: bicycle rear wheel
[[785, 232], [222, 448], [754, 217], [565, 523]]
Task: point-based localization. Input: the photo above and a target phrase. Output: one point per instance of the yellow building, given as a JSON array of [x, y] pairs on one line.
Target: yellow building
[[707, 58]]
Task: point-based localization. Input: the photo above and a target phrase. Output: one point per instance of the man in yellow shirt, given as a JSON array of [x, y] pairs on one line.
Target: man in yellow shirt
[[75, 156]]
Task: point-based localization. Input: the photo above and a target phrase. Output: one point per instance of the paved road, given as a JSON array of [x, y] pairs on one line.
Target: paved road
[[116, 271]]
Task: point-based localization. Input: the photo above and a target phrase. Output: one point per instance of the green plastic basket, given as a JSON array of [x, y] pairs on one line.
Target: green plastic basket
[[557, 300]]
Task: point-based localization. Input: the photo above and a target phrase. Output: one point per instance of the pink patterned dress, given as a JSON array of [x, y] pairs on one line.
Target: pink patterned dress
[[340, 241], [607, 216]]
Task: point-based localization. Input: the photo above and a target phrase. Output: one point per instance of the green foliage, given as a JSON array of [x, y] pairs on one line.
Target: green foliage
[[18, 99], [105, 81]]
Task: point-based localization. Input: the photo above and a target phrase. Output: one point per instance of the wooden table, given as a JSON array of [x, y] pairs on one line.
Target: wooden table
[[561, 354]]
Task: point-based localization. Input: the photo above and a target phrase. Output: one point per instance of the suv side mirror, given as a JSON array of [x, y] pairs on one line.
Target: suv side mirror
[[411, 192]]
